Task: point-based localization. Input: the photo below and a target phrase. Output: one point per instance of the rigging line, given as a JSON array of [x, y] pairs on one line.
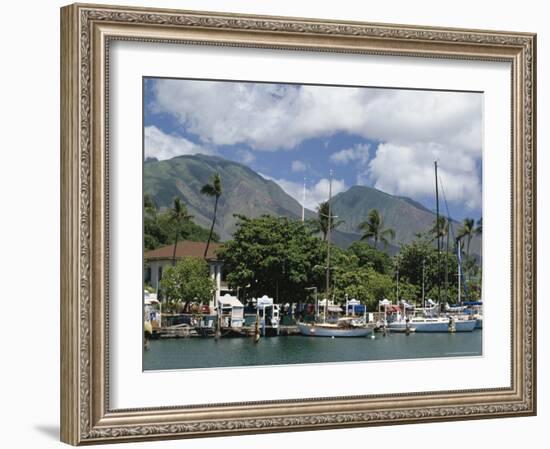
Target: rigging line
[[450, 228]]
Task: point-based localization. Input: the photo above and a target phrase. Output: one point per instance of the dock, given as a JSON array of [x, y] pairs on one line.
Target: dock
[[187, 331]]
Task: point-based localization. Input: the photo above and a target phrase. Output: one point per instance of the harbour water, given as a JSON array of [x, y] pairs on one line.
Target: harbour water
[[188, 353]]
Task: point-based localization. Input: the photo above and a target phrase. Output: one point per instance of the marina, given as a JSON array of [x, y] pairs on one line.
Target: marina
[[164, 354], [231, 329]]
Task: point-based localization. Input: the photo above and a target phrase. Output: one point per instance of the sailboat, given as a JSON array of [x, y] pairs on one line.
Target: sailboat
[[428, 319], [343, 327]]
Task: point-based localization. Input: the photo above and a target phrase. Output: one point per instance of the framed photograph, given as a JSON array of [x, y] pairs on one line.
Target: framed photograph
[[281, 224]]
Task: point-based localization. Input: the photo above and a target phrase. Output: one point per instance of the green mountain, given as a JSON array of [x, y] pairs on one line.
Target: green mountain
[[246, 192], [407, 217]]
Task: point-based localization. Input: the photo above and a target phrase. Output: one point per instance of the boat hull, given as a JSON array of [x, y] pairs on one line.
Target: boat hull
[[434, 326], [465, 325], [311, 330]]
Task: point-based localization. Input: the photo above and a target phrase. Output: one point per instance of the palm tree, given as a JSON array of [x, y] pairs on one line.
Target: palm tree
[[373, 228], [442, 230], [321, 223], [213, 189], [149, 206], [467, 230], [178, 213], [479, 227]]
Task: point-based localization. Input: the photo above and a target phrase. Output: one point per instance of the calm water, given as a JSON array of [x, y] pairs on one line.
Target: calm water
[[207, 353]]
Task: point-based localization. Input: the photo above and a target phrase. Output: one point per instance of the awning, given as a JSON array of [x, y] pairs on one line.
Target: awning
[[230, 301]]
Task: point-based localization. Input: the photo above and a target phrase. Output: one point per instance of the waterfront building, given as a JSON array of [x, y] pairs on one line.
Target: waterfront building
[[158, 259]]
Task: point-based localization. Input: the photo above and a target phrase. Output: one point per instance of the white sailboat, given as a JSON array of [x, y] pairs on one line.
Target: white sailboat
[[429, 319], [343, 327]]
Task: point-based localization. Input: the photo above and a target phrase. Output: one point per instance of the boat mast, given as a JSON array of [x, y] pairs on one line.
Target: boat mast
[[304, 202], [397, 283], [459, 268], [329, 223], [437, 230], [423, 283], [447, 257], [459, 286]]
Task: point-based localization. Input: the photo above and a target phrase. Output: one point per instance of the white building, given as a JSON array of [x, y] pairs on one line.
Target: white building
[[157, 259]]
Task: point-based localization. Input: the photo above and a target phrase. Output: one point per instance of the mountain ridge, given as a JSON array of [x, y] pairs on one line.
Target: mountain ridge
[[185, 175]]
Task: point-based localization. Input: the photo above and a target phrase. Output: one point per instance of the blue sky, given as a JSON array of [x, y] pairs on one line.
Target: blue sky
[[382, 138]]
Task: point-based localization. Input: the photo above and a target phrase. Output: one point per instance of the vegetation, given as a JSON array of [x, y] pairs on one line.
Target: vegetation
[[284, 257], [367, 255], [440, 228], [373, 228], [324, 220], [160, 228], [357, 277], [273, 256], [178, 214], [214, 189], [188, 281], [467, 231]]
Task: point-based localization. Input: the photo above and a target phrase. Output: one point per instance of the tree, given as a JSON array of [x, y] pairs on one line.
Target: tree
[[273, 256], [178, 214], [189, 280], [440, 228], [213, 189], [418, 260], [373, 228], [153, 234], [321, 223], [159, 228], [467, 230], [367, 285], [479, 227], [367, 255]]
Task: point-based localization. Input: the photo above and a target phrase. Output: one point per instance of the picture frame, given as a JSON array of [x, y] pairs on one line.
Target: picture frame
[[87, 32]]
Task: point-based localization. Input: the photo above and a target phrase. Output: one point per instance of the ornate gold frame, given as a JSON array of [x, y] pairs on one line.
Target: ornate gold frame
[[86, 31]]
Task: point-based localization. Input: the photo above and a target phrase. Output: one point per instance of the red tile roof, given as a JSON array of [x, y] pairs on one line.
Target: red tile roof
[[185, 248]]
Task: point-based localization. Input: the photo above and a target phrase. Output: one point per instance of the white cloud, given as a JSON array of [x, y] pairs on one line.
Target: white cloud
[[165, 146], [409, 170], [315, 194], [246, 156], [272, 116], [298, 166], [359, 153], [411, 127]]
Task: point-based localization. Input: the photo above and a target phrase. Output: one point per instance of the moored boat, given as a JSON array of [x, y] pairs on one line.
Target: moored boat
[[333, 330], [436, 324]]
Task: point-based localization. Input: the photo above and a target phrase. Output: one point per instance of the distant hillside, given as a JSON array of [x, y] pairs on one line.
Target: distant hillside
[[246, 192], [407, 217]]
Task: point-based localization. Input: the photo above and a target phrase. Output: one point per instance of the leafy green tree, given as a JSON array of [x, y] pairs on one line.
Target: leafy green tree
[[367, 255], [420, 257], [214, 189], [369, 286], [373, 228], [189, 280], [273, 256], [178, 214]]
